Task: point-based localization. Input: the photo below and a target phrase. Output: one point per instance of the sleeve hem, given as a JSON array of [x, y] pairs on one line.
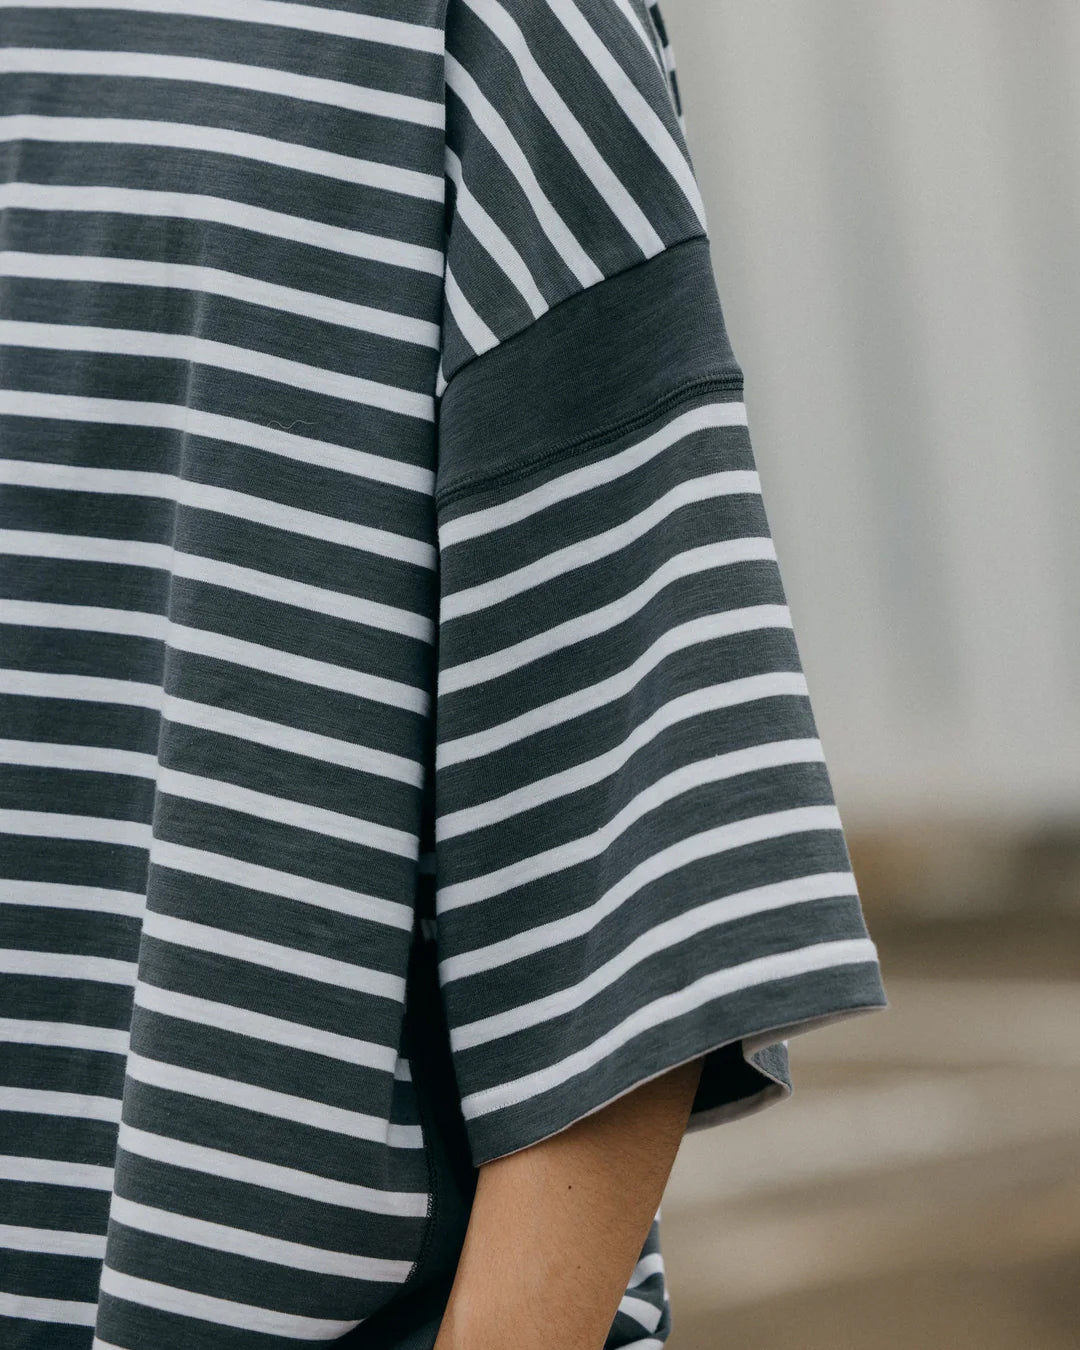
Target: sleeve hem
[[776, 1085], [736, 1080]]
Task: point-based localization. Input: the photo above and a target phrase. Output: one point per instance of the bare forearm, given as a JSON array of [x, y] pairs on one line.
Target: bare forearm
[[555, 1229]]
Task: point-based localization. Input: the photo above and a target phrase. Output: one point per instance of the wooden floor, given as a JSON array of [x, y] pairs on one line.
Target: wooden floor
[[922, 1186]]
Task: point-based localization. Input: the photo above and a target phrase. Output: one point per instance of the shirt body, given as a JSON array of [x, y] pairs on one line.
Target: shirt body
[[405, 749]]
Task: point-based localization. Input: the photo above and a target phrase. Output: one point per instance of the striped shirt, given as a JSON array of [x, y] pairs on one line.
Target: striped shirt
[[404, 746]]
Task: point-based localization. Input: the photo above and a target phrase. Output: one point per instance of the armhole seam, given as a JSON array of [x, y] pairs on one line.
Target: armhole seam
[[518, 333]]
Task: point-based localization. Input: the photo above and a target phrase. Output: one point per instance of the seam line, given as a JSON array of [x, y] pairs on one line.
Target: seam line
[[697, 237], [473, 482]]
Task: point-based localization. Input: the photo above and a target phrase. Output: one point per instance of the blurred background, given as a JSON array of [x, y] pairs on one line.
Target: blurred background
[[893, 196]]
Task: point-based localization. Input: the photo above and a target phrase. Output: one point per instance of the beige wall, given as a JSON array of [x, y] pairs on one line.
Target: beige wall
[[893, 193]]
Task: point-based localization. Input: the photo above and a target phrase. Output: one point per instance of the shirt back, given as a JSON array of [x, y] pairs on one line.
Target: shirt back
[[221, 300]]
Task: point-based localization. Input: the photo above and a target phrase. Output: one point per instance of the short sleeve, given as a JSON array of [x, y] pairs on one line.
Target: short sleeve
[[639, 858]]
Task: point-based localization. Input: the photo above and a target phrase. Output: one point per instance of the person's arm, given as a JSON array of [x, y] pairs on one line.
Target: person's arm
[[556, 1229]]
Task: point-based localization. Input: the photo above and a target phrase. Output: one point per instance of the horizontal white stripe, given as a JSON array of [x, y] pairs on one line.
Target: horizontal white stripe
[[303, 890], [221, 141], [633, 103], [488, 519], [280, 1105], [56, 1172], [756, 829], [217, 646], [192, 350], [687, 778], [550, 103], [57, 895], [303, 669], [730, 694], [272, 1176], [581, 701], [294, 740], [273, 956], [255, 1246], [495, 129], [85, 688], [249, 290], [274, 13], [317, 455], [223, 721], [297, 815], [85, 758], [53, 1241], [595, 548], [70, 1035], [74, 1105], [222, 1311], [90, 829], [247, 581], [592, 623], [717, 984], [659, 938], [85, 618], [67, 1312], [279, 82], [277, 1030], [276, 225], [66, 966], [492, 238], [226, 501], [85, 548]]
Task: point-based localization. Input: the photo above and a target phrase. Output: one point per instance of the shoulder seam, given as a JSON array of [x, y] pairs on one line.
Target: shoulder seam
[[527, 328]]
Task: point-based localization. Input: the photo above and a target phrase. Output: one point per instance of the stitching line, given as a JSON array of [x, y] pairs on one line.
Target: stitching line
[[472, 482]]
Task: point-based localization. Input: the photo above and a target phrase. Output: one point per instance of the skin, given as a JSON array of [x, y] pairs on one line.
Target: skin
[[567, 1204]]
